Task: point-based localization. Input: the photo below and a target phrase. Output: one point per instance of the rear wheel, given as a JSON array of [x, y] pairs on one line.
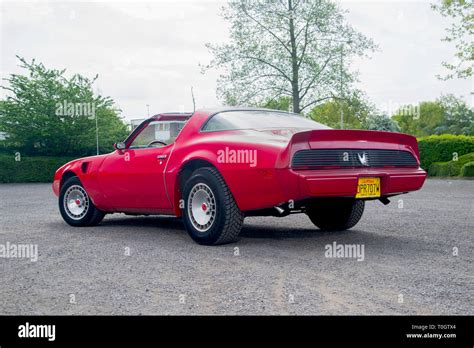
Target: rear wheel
[[211, 215], [75, 205], [335, 214]]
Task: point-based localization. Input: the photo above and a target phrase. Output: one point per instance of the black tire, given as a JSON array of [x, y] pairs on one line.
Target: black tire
[[225, 217], [335, 214], [91, 215]]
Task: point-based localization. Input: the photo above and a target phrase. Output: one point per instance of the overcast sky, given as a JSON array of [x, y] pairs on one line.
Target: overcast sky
[[149, 52]]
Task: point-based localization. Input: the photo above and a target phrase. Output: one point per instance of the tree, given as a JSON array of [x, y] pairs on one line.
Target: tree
[[445, 115], [380, 122], [355, 107], [49, 114], [461, 34], [294, 48], [431, 115], [423, 123], [282, 103], [458, 116]]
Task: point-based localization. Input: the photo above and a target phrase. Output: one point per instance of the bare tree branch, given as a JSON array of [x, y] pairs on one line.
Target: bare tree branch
[[303, 52], [316, 101], [260, 90], [267, 29], [309, 85], [269, 64]]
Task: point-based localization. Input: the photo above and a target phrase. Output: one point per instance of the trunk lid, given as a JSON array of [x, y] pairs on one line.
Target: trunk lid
[[328, 143]]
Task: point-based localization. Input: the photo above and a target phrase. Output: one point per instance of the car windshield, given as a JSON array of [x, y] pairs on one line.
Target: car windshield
[[259, 119]]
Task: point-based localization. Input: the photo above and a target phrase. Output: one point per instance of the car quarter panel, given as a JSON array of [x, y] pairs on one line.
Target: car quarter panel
[[248, 167]]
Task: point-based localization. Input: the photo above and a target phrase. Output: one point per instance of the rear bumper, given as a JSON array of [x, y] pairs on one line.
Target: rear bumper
[[343, 183]]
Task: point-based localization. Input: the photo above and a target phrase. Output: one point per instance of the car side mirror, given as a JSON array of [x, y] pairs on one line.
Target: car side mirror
[[119, 146]]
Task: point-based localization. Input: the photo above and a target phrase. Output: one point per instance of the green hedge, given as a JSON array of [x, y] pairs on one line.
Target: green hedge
[[440, 148], [451, 168], [468, 169], [29, 169]]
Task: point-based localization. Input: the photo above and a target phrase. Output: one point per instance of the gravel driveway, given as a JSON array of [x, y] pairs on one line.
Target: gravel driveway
[[418, 259]]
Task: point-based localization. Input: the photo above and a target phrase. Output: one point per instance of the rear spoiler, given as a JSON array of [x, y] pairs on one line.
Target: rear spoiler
[[347, 139]]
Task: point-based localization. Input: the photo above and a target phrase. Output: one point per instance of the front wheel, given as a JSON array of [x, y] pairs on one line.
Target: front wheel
[[75, 205], [211, 215], [335, 214]]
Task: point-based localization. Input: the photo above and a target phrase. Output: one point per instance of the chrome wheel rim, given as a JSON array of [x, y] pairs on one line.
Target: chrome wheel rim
[[76, 202], [202, 207]]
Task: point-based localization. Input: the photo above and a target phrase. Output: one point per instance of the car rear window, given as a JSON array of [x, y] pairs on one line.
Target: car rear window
[[257, 119]]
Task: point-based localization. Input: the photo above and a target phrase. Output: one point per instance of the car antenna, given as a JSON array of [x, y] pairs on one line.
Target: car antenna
[[194, 101]]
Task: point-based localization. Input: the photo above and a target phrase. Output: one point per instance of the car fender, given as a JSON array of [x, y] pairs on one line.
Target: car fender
[[87, 170]]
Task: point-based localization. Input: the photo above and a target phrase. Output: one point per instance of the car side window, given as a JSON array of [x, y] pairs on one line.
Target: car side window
[[157, 134]]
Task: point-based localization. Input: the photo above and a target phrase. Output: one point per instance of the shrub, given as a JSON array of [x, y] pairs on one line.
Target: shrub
[[468, 169], [451, 168], [29, 169], [440, 148]]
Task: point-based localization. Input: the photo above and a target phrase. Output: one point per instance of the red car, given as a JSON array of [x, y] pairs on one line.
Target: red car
[[215, 167]]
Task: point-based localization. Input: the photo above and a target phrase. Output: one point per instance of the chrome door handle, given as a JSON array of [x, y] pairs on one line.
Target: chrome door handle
[[161, 156]]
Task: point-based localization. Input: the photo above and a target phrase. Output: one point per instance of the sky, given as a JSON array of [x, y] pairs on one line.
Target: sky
[[148, 54]]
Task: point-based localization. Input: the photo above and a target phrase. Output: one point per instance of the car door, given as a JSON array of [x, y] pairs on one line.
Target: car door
[[133, 178]]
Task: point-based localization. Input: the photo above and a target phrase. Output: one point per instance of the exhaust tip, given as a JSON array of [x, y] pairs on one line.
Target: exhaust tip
[[279, 210]]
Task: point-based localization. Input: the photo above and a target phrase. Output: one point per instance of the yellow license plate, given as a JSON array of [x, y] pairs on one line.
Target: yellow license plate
[[368, 188]]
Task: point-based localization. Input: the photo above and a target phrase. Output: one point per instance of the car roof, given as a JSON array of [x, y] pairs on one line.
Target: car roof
[[212, 111], [172, 115], [182, 116], [216, 110]]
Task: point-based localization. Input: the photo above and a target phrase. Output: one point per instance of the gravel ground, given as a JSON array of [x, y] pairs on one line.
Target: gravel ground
[[149, 265]]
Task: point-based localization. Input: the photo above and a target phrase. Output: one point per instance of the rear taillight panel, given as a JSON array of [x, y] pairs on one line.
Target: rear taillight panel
[[352, 158]]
